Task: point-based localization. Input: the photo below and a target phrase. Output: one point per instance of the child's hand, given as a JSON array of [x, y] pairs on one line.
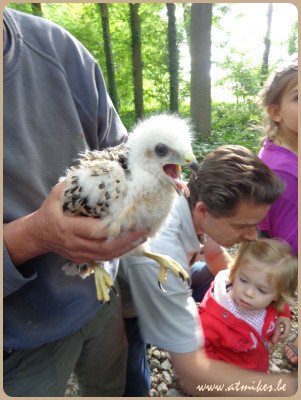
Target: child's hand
[[215, 256], [282, 329]]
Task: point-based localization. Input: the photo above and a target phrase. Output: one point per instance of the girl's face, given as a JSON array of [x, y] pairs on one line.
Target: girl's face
[[251, 289], [286, 115]]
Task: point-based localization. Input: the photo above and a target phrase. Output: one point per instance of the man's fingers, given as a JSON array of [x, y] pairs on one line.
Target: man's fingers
[[58, 189], [82, 249], [78, 233], [121, 245]]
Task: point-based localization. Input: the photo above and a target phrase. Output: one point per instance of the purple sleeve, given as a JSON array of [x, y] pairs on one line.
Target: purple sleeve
[[282, 219]]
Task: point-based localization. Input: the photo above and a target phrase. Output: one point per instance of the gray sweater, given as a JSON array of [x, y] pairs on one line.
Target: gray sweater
[[55, 106]]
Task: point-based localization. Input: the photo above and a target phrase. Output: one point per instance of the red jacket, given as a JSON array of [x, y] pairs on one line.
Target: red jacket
[[233, 340]]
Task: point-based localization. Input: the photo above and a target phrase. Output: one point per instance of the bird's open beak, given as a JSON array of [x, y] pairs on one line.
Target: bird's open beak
[[173, 171]]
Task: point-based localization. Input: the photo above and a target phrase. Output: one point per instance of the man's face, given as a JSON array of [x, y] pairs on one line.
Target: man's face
[[228, 231]]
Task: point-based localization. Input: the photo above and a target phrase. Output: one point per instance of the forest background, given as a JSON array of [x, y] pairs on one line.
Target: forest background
[[201, 60]]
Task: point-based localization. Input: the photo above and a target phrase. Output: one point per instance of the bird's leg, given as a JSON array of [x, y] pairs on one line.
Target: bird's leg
[[103, 282], [167, 263]]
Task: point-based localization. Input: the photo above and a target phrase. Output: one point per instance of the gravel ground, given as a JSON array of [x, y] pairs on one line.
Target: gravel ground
[[164, 382]]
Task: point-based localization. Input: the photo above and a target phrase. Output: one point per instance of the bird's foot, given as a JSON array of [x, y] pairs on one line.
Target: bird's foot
[[72, 269], [167, 263], [103, 282]]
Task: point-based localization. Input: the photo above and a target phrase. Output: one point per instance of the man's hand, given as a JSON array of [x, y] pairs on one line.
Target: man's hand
[[49, 229], [204, 377]]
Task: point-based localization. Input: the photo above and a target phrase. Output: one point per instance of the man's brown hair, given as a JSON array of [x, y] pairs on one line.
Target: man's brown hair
[[229, 175]]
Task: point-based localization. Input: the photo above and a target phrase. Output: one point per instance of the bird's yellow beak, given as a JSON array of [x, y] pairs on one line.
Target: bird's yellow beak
[[189, 157], [192, 162]]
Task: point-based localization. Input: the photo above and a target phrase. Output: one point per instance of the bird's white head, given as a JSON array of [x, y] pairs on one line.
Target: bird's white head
[[159, 146]]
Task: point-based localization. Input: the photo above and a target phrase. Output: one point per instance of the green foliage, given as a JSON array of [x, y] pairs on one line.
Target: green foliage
[[82, 21], [24, 7], [153, 34], [121, 48], [243, 78], [293, 40], [232, 123], [219, 11]]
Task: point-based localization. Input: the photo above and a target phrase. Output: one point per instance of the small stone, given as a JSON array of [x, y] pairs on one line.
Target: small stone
[[153, 393], [152, 349], [154, 363], [167, 377], [274, 368], [162, 388], [166, 365], [173, 393], [157, 354]]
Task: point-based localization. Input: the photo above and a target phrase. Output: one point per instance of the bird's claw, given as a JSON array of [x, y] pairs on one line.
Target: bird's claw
[[161, 287], [162, 275], [114, 290], [182, 277], [167, 263]]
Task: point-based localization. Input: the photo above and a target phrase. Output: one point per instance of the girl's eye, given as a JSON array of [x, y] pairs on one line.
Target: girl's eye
[[261, 291], [295, 98]]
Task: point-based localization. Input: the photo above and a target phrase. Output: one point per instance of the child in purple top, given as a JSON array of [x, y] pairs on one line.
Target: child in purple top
[[281, 220], [280, 152]]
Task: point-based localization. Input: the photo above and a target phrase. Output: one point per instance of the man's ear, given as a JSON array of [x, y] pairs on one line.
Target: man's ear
[[274, 112], [200, 209]]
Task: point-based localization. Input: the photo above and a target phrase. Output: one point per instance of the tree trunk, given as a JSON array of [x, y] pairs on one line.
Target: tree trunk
[[36, 9], [173, 58], [137, 59], [267, 46], [200, 32], [104, 12]]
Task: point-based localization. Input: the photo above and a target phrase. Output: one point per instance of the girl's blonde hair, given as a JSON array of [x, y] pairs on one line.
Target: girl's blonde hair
[[277, 258], [272, 92]]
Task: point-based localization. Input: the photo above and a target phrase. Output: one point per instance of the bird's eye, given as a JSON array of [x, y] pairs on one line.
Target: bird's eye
[[161, 150]]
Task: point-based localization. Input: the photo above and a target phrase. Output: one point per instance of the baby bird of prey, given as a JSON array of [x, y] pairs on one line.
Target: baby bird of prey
[[131, 187]]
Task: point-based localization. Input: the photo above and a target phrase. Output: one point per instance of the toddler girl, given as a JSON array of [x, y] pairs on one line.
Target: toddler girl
[[240, 310]]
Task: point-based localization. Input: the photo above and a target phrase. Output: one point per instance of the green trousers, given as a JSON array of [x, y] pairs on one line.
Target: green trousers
[[97, 354]]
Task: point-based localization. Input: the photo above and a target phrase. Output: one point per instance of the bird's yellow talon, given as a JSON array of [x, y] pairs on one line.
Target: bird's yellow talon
[[103, 282], [162, 274], [167, 263]]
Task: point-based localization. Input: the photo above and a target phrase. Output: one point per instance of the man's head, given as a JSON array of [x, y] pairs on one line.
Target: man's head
[[231, 194]]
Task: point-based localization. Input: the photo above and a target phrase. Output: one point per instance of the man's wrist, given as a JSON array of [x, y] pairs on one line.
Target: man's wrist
[[21, 239]]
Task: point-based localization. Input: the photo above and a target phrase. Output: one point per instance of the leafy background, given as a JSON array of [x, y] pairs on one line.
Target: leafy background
[[236, 121]]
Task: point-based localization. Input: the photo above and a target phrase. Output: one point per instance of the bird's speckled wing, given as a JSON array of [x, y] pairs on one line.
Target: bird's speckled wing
[[96, 182]]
